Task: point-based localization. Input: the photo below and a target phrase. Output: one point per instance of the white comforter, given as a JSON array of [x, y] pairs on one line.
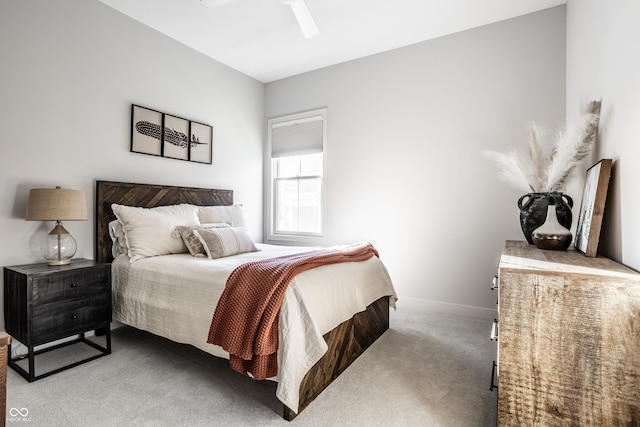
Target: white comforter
[[174, 296]]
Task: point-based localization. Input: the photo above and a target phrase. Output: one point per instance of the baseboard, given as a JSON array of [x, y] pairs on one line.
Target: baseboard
[[115, 325], [407, 303]]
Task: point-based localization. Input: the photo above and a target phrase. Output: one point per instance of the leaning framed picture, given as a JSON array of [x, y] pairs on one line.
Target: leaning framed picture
[[201, 141], [594, 196], [146, 130], [175, 140]]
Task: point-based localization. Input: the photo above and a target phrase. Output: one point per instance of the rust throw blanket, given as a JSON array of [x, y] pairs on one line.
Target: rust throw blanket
[[245, 322]]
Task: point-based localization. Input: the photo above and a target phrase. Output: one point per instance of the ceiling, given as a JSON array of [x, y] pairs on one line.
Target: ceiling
[[261, 38]]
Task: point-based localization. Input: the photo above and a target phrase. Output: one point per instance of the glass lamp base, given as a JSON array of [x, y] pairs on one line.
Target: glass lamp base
[[63, 261], [60, 246]]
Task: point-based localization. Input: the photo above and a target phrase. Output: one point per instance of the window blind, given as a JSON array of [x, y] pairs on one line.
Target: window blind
[[297, 137]]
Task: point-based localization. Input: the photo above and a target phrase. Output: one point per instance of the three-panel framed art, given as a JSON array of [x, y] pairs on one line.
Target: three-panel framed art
[[160, 134]]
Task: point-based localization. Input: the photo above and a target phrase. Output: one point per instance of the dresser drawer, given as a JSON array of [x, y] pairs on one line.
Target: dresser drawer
[[67, 318], [63, 287]]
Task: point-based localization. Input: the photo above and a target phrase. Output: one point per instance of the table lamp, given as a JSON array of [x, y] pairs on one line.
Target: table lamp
[[57, 204]]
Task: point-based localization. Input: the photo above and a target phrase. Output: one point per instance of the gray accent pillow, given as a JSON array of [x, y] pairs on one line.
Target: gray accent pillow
[[193, 243], [222, 242]]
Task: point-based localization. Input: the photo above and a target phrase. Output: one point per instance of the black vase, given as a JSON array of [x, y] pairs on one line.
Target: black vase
[[533, 211]]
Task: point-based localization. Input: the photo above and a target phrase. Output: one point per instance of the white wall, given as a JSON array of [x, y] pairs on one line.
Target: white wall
[[69, 72], [603, 62], [406, 129]]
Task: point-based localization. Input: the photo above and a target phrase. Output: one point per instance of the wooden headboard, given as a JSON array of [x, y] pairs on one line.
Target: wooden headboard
[[146, 196]]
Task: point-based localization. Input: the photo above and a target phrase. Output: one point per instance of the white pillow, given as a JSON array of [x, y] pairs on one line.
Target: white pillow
[[119, 243], [148, 230], [192, 241], [222, 242], [233, 215]]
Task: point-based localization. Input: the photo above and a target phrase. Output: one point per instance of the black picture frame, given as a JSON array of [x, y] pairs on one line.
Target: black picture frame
[[146, 130], [594, 197], [201, 141], [175, 138], [166, 135]]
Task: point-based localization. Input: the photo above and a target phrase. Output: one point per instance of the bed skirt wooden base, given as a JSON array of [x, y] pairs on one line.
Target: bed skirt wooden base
[[346, 342]]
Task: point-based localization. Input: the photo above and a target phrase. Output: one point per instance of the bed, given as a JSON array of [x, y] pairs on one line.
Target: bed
[[174, 290]]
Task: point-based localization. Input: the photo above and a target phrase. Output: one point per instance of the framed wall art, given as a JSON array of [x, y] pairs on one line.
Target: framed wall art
[[594, 196], [146, 131], [175, 139], [166, 135], [201, 138]]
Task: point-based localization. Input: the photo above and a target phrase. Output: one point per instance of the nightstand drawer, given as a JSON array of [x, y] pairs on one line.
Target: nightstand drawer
[[57, 320], [63, 287]]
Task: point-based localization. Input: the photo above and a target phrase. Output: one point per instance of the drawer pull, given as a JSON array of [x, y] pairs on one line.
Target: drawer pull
[[494, 369], [73, 285], [74, 316], [494, 283], [494, 330]]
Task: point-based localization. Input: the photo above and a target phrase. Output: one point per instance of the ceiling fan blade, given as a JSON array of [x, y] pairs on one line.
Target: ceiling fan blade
[[303, 15], [215, 3]]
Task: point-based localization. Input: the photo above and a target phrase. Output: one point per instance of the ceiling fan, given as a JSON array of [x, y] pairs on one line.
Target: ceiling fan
[[300, 10]]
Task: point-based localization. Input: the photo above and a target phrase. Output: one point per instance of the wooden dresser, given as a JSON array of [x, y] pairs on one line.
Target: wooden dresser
[[5, 342], [568, 340]]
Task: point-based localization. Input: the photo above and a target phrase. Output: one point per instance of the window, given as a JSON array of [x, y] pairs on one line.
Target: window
[[295, 178], [298, 194]]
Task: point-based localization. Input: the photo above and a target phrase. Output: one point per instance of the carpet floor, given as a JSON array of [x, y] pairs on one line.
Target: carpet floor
[[428, 369]]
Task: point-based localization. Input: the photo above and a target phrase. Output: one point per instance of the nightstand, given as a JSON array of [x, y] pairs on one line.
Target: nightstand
[[43, 304]]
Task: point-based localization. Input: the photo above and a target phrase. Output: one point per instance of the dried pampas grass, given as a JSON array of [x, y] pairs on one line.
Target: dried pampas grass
[[543, 170], [510, 169], [537, 157]]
